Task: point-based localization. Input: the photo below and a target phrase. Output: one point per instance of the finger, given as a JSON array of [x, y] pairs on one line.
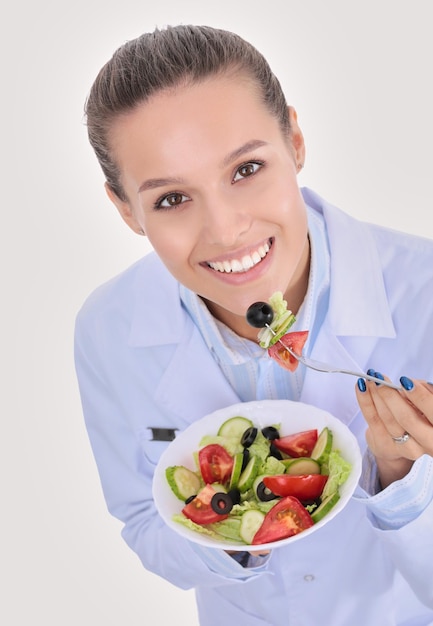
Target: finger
[[371, 413], [420, 395], [400, 416], [383, 425]]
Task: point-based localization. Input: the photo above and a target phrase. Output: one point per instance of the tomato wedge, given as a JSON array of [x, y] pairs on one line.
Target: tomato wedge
[[215, 463], [200, 511], [304, 487], [286, 518], [295, 341], [298, 444]]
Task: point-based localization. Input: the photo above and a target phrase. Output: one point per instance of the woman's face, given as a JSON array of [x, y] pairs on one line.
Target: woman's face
[[211, 179]]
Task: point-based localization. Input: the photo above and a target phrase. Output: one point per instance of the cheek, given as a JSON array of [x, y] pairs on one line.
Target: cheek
[[172, 245]]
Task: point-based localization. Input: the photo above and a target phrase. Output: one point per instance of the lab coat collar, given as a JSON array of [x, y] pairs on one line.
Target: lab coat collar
[[358, 315], [358, 301]]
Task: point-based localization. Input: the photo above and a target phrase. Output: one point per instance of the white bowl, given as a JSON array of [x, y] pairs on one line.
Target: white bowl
[[293, 417]]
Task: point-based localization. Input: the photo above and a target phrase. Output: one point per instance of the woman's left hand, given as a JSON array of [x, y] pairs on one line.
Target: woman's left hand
[[400, 425]]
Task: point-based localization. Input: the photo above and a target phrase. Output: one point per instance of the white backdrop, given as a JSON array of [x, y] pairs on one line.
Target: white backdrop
[[359, 74]]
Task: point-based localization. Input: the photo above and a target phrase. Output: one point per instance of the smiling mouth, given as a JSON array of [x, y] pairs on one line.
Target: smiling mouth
[[243, 264]]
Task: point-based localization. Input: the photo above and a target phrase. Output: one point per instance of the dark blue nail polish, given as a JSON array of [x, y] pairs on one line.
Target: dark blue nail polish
[[406, 383], [371, 372], [378, 375], [361, 385]]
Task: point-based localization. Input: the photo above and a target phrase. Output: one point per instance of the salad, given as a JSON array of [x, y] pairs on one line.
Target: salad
[[274, 320], [254, 486]]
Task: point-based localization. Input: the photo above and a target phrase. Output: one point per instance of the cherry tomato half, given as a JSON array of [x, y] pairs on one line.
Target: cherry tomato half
[[286, 518], [298, 444], [304, 487], [200, 510], [215, 463], [295, 341]]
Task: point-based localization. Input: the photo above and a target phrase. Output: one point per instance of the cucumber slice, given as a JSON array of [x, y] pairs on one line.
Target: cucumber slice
[[248, 475], [323, 447], [301, 465], [183, 482], [250, 524], [325, 506], [234, 427], [237, 469]]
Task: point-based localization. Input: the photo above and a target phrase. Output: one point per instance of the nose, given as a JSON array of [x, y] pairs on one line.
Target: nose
[[225, 222]]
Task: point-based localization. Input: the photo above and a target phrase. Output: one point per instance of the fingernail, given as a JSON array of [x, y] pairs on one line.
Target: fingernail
[[406, 383], [371, 372], [378, 375], [361, 385]]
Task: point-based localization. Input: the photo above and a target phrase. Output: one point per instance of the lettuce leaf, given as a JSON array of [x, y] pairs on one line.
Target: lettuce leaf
[[339, 470]]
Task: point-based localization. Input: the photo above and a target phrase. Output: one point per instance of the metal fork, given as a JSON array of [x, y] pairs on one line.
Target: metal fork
[[332, 369]]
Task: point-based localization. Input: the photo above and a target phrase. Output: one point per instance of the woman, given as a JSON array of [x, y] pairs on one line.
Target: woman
[[201, 153]]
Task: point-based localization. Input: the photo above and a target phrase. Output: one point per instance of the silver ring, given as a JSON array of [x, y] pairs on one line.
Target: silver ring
[[405, 437]]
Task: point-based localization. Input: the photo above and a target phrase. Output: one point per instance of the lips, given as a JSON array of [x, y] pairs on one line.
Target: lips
[[243, 263]]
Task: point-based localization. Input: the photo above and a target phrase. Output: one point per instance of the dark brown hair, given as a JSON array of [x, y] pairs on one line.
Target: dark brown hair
[[165, 59]]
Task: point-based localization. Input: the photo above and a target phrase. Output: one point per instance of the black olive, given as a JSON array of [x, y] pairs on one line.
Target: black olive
[[190, 499], [234, 495], [270, 432], [273, 451], [249, 436], [245, 458], [221, 503], [260, 314], [263, 493]]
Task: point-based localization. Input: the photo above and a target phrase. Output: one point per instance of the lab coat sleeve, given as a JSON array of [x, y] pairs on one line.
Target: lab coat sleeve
[[126, 478], [402, 516]]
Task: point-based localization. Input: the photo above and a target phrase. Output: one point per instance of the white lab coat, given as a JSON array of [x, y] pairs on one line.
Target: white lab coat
[[142, 363]]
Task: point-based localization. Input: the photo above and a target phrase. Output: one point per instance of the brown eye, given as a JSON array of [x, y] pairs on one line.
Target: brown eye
[[171, 200], [174, 198], [247, 169]]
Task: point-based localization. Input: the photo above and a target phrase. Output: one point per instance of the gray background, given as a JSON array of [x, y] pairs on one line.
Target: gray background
[[359, 74]]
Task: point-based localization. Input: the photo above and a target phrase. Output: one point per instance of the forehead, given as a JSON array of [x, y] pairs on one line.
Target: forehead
[[212, 117], [215, 99]]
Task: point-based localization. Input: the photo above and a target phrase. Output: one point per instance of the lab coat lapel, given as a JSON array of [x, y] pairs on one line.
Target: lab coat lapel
[[192, 385], [336, 392], [358, 315]]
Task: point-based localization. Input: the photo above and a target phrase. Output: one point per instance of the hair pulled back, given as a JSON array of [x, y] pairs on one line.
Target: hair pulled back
[[165, 59]]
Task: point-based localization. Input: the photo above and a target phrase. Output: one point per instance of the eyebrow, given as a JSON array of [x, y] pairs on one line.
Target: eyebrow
[[247, 147], [153, 183]]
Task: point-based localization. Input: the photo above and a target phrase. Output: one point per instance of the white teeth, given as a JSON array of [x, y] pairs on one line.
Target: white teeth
[[263, 250], [256, 257], [247, 262]]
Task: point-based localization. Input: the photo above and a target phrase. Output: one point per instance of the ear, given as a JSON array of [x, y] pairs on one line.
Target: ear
[[125, 210], [296, 138]]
